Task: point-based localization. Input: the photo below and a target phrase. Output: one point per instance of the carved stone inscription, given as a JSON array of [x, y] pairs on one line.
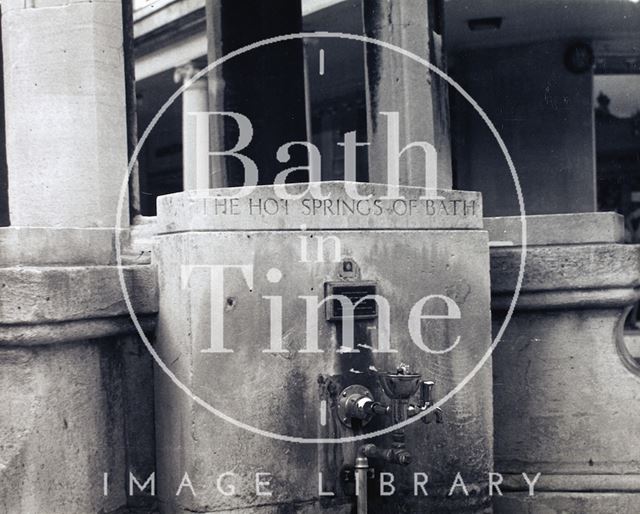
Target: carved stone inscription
[[273, 206]]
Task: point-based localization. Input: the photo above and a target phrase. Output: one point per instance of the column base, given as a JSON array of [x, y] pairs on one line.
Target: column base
[[561, 502]]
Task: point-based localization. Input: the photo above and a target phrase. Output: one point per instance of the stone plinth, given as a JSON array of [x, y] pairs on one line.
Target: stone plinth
[[565, 390], [407, 256], [69, 375]]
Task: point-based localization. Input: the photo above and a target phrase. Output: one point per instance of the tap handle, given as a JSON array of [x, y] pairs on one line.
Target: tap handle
[[426, 397], [437, 414], [426, 389], [373, 407]]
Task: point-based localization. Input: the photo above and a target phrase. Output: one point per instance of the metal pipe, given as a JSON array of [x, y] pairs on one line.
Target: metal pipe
[[400, 456], [362, 470]]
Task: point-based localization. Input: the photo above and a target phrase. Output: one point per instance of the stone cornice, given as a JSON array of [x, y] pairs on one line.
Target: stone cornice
[[573, 267], [66, 303], [71, 331], [580, 276], [558, 229]]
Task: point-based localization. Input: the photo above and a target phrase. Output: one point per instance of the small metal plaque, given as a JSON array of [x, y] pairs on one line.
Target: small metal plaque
[[357, 293]]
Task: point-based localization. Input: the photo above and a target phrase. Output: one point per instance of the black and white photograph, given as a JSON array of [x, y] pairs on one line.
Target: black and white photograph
[[319, 256]]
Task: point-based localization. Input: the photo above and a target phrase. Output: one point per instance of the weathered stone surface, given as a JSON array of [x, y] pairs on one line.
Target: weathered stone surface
[[585, 483], [558, 229], [55, 294], [55, 246], [281, 392], [263, 210], [565, 502], [568, 267], [137, 245], [560, 386], [55, 332], [565, 390], [65, 112], [62, 412], [62, 422], [59, 284], [61, 428], [38, 246], [139, 415], [39, 4], [632, 342]]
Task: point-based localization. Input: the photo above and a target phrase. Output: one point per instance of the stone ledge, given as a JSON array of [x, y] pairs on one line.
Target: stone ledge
[[567, 299], [558, 229], [262, 209], [573, 482], [70, 331], [138, 242], [76, 246], [566, 501], [42, 295], [567, 268], [50, 246]]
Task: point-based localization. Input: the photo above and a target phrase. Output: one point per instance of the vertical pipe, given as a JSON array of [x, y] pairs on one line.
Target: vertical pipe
[[362, 469], [399, 410]]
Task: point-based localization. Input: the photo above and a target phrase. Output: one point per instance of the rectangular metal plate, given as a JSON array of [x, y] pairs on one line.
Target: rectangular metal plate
[[354, 291]]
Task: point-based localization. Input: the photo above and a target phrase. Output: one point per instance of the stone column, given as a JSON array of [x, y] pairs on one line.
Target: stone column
[[65, 116], [565, 388], [194, 99], [265, 84], [396, 83], [62, 314]]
